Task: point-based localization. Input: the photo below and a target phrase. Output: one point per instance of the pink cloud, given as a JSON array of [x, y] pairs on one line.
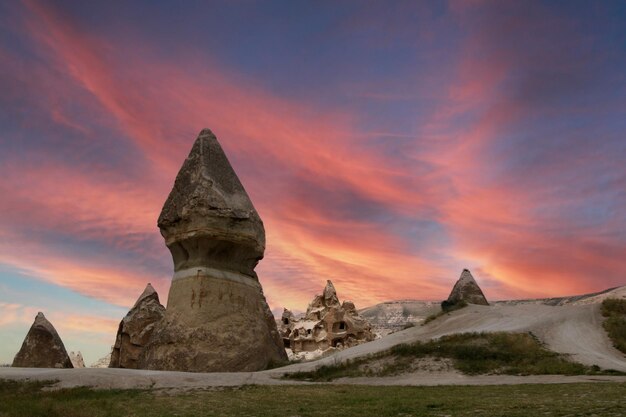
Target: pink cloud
[[278, 145]]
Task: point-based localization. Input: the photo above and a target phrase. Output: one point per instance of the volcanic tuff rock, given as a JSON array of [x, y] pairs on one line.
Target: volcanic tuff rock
[[466, 289], [42, 347], [77, 359], [135, 329], [217, 318], [327, 325]]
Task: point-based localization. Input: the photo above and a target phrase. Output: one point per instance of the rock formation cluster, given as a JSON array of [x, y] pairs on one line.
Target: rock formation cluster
[[466, 289], [42, 347], [327, 325], [217, 318], [135, 329]]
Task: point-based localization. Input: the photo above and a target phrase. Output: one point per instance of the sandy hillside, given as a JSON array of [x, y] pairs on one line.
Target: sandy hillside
[[573, 327]]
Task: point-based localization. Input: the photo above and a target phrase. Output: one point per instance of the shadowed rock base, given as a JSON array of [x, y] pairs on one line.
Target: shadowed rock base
[[214, 324]]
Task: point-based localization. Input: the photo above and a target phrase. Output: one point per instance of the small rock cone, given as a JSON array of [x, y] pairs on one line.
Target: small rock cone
[[466, 289], [42, 347]]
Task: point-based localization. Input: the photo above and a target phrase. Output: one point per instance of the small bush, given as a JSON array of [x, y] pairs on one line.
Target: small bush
[[615, 322]]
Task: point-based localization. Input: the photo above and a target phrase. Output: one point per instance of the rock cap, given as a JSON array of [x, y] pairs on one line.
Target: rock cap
[[208, 198]]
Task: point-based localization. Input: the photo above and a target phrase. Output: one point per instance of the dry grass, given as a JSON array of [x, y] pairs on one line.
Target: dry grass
[[615, 323], [606, 399], [471, 353]]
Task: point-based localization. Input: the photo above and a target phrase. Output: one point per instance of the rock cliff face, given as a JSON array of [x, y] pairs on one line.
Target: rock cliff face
[[135, 329], [466, 289], [42, 347], [327, 325], [217, 318]]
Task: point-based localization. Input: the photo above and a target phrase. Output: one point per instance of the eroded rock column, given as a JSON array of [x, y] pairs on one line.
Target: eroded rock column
[[217, 318]]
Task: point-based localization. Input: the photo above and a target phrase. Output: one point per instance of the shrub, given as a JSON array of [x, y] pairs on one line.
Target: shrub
[[614, 311], [471, 353], [446, 307]]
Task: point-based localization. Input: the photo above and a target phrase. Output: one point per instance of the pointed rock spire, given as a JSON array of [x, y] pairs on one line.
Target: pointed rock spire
[[330, 295], [466, 289], [42, 347], [148, 292], [136, 328]]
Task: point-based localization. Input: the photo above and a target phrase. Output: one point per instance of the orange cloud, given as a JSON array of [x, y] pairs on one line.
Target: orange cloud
[[296, 161]]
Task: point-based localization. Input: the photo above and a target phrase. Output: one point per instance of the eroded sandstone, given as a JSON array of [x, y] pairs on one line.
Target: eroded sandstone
[[466, 289], [328, 325], [135, 329], [42, 347], [217, 318]]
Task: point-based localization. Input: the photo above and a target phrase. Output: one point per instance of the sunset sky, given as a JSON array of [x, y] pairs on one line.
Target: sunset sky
[[386, 145]]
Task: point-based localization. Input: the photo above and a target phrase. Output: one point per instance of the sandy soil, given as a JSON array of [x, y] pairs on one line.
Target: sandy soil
[[574, 328]]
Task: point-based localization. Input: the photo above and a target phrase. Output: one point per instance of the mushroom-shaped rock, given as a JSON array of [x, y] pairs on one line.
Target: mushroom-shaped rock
[[217, 318], [466, 289], [135, 329], [42, 347]]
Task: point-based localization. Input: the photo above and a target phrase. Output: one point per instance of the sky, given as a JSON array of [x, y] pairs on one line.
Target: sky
[[386, 145]]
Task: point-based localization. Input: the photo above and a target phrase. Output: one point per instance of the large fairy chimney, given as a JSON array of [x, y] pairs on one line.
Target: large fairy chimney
[[217, 318]]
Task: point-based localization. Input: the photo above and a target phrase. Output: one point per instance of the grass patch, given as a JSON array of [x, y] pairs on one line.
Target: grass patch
[[27, 399], [471, 353], [615, 323], [606, 399], [446, 308]]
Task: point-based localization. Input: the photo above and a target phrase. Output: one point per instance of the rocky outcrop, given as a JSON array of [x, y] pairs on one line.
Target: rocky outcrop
[[135, 329], [327, 325], [466, 289], [217, 318], [77, 359], [42, 347]]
